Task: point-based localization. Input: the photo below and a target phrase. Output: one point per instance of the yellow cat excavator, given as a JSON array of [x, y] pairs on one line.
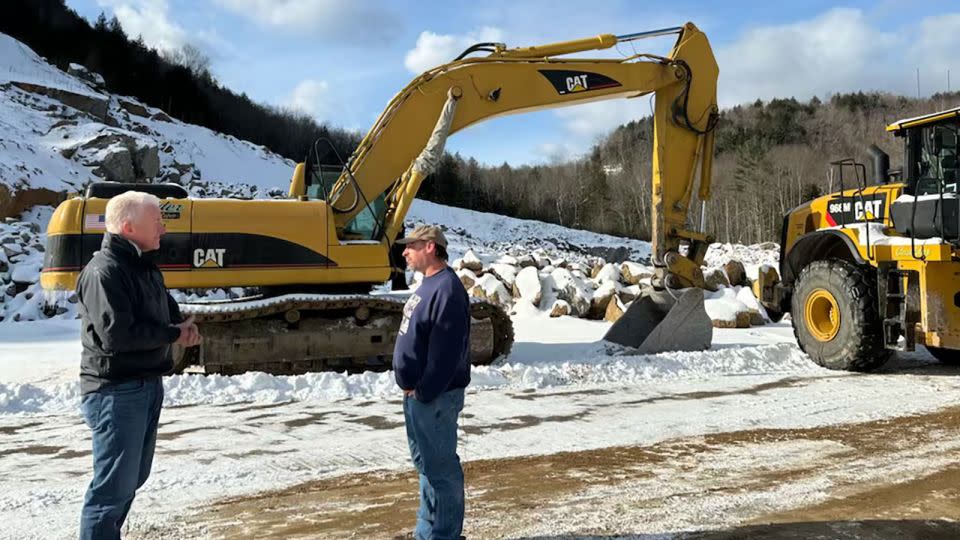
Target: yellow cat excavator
[[872, 269], [316, 254]]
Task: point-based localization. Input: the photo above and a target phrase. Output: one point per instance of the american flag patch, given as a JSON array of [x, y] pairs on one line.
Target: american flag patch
[[95, 222]]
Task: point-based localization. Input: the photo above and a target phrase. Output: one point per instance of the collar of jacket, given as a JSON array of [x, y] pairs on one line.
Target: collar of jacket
[[118, 245]]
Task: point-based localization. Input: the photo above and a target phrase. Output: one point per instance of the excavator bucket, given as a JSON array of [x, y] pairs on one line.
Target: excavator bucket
[[660, 321]]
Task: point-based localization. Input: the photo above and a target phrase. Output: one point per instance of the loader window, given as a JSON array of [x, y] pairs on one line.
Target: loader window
[[937, 161]]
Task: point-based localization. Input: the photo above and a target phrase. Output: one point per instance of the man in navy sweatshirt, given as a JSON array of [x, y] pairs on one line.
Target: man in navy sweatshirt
[[431, 362]]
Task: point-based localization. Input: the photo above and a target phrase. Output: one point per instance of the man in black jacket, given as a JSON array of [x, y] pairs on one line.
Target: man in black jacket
[[128, 322]]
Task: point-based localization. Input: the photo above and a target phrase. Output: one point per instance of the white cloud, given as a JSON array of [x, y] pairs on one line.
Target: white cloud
[[937, 44], [433, 50], [149, 19], [838, 51], [559, 152], [311, 97], [357, 21]]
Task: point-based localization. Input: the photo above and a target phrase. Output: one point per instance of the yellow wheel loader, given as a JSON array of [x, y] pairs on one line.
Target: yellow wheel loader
[[316, 254], [875, 267]]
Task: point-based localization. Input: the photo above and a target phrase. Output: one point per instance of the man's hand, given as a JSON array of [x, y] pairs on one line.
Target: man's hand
[[189, 334], [411, 393]]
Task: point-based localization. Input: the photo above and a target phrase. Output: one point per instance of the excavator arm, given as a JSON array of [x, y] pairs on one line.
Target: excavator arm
[[405, 143]]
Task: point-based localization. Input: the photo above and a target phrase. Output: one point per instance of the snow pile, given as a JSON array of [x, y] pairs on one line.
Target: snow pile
[[752, 257], [580, 364]]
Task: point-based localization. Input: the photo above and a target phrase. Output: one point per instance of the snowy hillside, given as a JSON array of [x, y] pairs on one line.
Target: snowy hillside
[[44, 142]]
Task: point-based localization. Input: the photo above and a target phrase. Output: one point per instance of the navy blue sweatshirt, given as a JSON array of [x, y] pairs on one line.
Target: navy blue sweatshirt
[[432, 353]]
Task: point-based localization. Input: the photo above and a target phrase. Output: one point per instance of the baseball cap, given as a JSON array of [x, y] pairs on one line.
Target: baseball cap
[[425, 232]]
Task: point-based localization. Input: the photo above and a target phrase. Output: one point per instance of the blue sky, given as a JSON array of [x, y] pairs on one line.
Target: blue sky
[[342, 60]]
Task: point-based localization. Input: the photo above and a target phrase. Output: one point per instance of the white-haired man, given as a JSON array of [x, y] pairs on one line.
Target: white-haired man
[[128, 322]]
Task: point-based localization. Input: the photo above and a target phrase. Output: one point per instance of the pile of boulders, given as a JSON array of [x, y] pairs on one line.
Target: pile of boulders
[[592, 288], [21, 258]]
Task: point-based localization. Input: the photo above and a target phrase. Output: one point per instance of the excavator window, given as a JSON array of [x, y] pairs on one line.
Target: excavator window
[[320, 178], [367, 225]]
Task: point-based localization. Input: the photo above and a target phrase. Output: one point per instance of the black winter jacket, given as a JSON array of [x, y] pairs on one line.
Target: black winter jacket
[[127, 317]]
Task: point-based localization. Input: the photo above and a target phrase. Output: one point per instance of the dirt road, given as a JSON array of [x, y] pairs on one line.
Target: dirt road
[[892, 478]]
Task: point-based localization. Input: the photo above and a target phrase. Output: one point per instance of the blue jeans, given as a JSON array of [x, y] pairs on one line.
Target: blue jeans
[[123, 419], [432, 435]]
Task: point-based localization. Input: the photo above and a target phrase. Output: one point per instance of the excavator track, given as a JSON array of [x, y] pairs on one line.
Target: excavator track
[[300, 333]]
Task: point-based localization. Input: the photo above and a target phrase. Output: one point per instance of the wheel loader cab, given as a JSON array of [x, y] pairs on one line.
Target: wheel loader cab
[[859, 286], [929, 205]]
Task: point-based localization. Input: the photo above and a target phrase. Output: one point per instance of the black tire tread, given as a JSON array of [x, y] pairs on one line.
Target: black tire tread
[[861, 332]]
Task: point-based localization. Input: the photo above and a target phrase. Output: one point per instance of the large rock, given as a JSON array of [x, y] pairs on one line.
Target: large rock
[[735, 273], [726, 311], [740, 320], [146, 161], [505, 272], [15, 202], [572, 289], [560, 308], [615, 310], [116, 164], [470, 261], [758, 315], [119, 156], [601, 298], [133, 108], [93, 78], [526, 261], [467, 278], [95, 106], [528, 286], [489, 288], [714, 279], [607, 272], [632, 273]]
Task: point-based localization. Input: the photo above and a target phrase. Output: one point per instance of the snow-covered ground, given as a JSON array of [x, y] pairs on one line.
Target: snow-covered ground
[[287, 430]]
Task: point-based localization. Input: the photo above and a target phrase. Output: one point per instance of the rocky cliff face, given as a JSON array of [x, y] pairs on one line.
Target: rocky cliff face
[[61, 131]]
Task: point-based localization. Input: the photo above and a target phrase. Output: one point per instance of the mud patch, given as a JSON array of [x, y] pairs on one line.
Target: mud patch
[[789, 382], [520, 422], [376, 422], [258, 452], [70, 454], [259, 407], [532, 394], [36, 450], [311, 418], [10, 430], [171, 435]]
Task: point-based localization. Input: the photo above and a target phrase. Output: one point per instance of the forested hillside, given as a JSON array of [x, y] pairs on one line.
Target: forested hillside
[[770, 157]]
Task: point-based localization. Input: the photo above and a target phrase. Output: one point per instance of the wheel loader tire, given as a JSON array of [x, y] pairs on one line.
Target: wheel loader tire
[[835, 318], [950, 357]]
